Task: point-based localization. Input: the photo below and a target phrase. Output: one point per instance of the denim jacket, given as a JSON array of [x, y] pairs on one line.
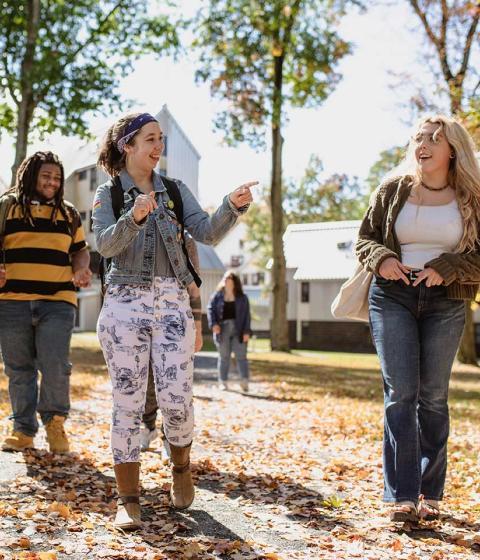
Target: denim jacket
[[242, 312], [131, 246]]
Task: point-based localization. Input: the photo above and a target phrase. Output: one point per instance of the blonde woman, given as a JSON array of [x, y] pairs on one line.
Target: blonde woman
[[420, 239]]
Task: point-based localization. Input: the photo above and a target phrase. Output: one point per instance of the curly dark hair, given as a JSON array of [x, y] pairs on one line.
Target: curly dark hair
[[25, 188], [109, 158], [237, 283]]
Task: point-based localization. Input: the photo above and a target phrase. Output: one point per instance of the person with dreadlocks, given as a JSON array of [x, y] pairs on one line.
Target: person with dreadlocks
[[45, 259]]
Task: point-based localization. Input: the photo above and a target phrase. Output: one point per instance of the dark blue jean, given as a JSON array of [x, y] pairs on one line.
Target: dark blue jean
[[35, 336], [227, 342], [416, 332]]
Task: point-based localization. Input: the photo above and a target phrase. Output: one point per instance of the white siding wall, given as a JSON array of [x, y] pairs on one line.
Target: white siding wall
[[210, 280], [181, 158], [79, 193], [322, 294]]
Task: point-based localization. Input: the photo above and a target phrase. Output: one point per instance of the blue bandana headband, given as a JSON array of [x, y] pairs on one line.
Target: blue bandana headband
[[132, 129]]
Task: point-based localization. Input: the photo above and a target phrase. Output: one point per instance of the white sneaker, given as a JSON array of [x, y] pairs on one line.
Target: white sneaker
[[166, 453], [244, 385], [147, 436], [223, 385]]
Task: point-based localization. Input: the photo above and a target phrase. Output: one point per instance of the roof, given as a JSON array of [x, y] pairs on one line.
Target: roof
[[322, 250], [208, 258]]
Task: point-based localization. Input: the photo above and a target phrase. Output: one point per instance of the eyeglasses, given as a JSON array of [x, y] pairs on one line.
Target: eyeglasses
[[429, 139]]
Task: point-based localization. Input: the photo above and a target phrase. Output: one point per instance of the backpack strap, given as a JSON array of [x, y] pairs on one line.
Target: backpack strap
[[173, 191], [116, 192]]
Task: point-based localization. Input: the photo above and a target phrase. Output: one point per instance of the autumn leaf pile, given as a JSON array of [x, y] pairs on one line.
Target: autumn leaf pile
[[290, 471]]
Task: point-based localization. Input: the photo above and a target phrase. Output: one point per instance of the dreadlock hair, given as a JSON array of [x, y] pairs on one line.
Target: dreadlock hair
[[25, 188]]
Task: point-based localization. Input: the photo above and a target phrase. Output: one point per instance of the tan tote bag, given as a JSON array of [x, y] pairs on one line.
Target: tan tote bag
[[352, 299]]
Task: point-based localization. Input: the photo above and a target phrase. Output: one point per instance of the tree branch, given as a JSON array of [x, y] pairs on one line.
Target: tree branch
[[96, 31], [434, 39], [468, 44], [475, 88]]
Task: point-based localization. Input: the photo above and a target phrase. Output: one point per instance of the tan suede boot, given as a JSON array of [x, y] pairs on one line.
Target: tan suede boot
[[128, 504], [56, 436], [182, 491], [17, 442]]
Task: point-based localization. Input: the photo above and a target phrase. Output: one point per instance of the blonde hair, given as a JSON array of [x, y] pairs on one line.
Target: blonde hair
[[463, 174]]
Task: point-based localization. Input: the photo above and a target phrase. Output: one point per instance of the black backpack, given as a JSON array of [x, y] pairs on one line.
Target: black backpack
[[116, 192]]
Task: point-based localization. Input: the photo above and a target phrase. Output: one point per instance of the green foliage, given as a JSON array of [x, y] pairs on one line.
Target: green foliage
[[471, 119], [316, 198], [387, 160], [241, 41], [82, 50]]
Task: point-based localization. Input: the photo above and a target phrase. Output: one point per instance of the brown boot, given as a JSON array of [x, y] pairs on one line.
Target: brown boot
[[182, 491], [56, 436], [128, 504], [17, 442]]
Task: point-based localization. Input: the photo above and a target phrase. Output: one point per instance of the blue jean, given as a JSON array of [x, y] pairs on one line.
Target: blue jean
[[226, 342], [416, 332], [35, 336]]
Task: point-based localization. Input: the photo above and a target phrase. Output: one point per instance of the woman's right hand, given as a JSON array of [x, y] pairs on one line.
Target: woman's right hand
[[144, 204], [216, 329], [393, 269]]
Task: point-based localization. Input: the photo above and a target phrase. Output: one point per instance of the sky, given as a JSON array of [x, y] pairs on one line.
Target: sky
[[360, 119]]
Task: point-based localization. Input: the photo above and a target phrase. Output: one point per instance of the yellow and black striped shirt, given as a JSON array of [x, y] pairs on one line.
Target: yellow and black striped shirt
[[37, 257]]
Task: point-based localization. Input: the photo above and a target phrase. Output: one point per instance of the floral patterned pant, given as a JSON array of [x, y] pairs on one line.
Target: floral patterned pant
[[137, 325]]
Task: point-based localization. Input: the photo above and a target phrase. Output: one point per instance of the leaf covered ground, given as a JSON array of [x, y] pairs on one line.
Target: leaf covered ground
[[290, 471]]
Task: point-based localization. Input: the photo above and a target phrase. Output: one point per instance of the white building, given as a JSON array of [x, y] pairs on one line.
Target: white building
[[235, 254], [180, 160], [319, 258]]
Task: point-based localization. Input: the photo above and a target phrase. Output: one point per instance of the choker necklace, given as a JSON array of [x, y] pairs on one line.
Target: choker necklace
[[432, 189]]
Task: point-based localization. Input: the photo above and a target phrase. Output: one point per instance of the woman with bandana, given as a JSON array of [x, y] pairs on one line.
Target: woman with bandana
[[146, 319]]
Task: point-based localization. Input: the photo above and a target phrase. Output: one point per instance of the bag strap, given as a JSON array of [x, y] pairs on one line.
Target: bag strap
[[173, 191], [116, 192]]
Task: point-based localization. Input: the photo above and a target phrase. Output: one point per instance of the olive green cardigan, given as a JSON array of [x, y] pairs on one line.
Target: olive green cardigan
[[377, 241]]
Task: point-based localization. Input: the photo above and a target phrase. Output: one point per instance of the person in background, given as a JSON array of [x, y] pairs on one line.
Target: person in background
[[229, 319]]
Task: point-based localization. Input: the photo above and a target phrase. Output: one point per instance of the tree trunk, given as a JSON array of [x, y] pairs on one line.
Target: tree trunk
[[26, 105], [467, 353], [279, 340]]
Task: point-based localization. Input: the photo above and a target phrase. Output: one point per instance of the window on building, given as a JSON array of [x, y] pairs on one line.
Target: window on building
[[93, 178], [82, 175], [245, 279], [241, 243], [305, 292], [236, 260], [261, 277]]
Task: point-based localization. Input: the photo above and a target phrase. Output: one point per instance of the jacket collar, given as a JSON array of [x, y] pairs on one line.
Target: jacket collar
[[128, 183]]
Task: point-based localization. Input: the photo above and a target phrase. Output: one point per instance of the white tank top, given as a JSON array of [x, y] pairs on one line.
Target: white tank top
[[425, 232]]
